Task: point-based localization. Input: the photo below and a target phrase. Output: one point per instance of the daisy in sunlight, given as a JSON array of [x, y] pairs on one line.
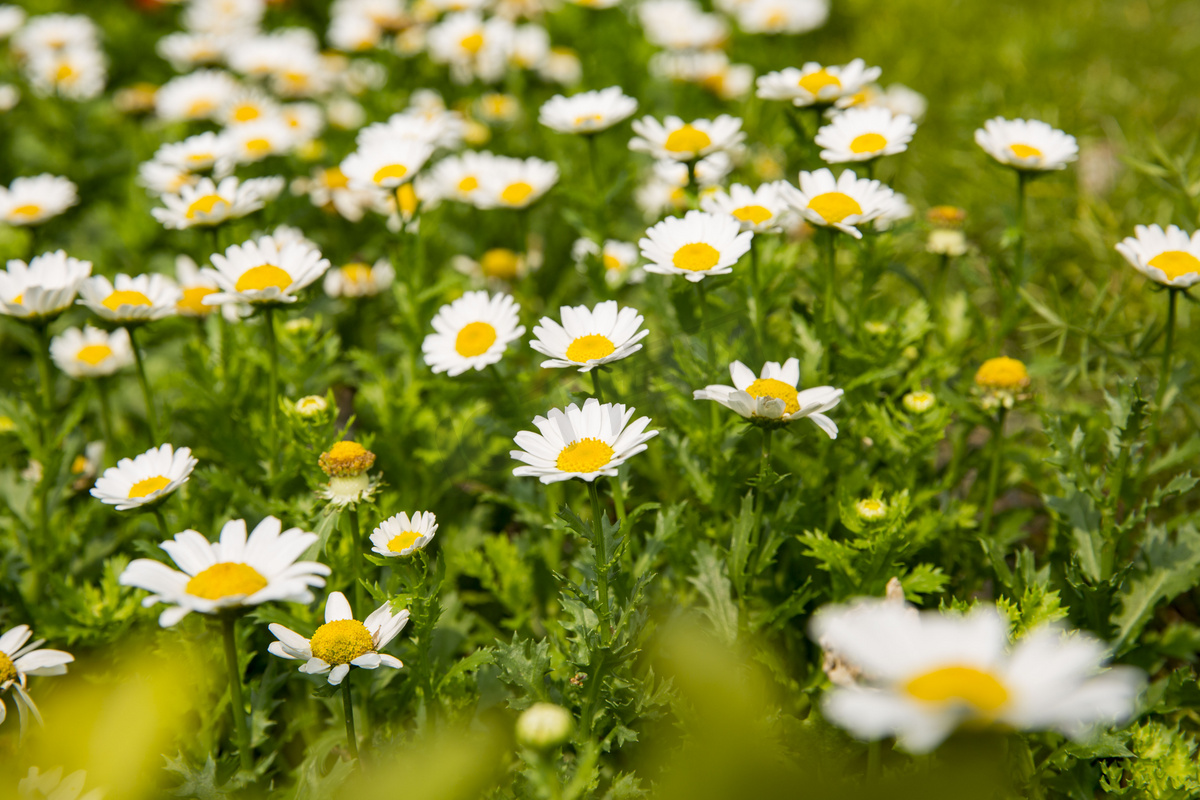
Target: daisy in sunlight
[[587, 112], [580, 443], [401, 535], [589, 337], [1169, 257], [30, 201], [687, 141], [209, 203], [863, 134], [265, 271], [814, 84], [472, 333], [772, 398], [20, 658], [760, 210], [130, 299], [145, 479], [43, 288], [1027, 145], [342, 642], [91, 352], [696, 246], [841, 203]]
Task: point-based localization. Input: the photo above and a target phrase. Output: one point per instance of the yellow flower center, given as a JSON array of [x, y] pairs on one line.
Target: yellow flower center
[[8, 671], [125, 298], [148, 486], [696, 257], [264, 276], [769, 387], [587, 348], [474, 339], [500, 262], [1025, 151], [814, 82], [246, 112], [79, 465], [28, 210], [1175, 263], [201, 107], [833, 207], [686, 140], [357, 273], [407, 200], [871, 509], [611, 261], [192, 301], [226, 579], [588, 119], [204, 205], [516, 193], [472, 43], [967, 685], [868, 143], [65, 73], [198, 159], [17, 300], [755, 215], [334, 178], [402, 541], [346, 459], [468, 184], [258, 147], [389, 172], [341, 641], [1002, 373], [93, 353], [585, 455]]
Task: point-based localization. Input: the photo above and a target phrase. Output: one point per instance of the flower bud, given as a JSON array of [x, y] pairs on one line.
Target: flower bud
[[543, 726]]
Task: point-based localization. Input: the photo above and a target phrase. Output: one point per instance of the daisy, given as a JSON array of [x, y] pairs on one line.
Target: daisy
[[186, 49], [515, 182], [681, 25], [209, 203], [696, 246], [772, 398], [28, 201], [254, 141], [343, 641], [498, 266], [760, 210], [840, 203], [43, 288], [197, 95], [264, 271], [198, 153], [236, 572], [330, 189], [56, 32], [472, 333], [19, 660], [385, 164], [304, 120], [195, 284], [814, 84], [401, 535], [920, 675], [618, 258], [160, 179], [686, 141], [583, 444], [1169, 257], [145, 479], [73, 73], [587, 112], [247, 105], [862, 134], [359, 279], [1030, 146], [141, 298], [458, 177], [587, 337], [91, 353], [781, 16], [708, 172], [346, 464]]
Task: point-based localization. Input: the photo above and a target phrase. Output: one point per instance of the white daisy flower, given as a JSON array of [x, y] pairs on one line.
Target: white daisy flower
[[589, 337], [840, 203], [861, 134], [458, 177], [304, 120], [195, 284], [73, 73], [247, 104], [342, 642], [56, 32], [814, 84], [385, 164], [773, 397], [160, 179], [19, 660], [236, 572], [208, 203], [1169, 257], [781, 16], [618, 258], [760, 210], [681, 25], [696, 246], [197, 95], [223, 16], [204, 151], [472, 46], [923, 674], [686, 141], [472, 333], [1027, 145], [428, 124], [498, 267], [91, 353], [359, 279], [253, 141], [584, 444], [897, 211], [264, 271], [139, 298], [514, 182], [330, 189], [587, 112], [145, 479], [186, 50], [43, 288], [28, 201], [562, 66], [401, 535]]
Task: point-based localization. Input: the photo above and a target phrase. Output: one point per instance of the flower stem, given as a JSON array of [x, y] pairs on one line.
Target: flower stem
[[758, 317], [597, 389], [763, 467], [147, 396], [348, 707], [1164, 374], [356, 556], [1019, 254], [708, 335], [229, 629], [272, 381], [106, 425], [828, 317], [993, 473], [601, 550], [162, 522], [45, 381]]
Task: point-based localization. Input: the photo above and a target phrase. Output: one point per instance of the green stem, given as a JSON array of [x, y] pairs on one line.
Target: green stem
[[828, 317], [162, 522], [356, 557], [707, 331], [601, 550], [106, 425], [759, 311], [348, 707], [237, 704], [597, 389], [597, 191], [1019, 255], [869, 166], [993, 480], [764, 467], [1164, 374], [272, 382], [874, 759], [147, 396]]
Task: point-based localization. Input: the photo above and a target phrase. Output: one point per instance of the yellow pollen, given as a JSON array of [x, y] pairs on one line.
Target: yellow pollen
[[204, 205], [201, 107], [17, 300], [65, 73], [93, 353], [585, 455], [148, 486], [79, 465], [500, 262], [402, 541], [334, 178], [868, 143], [407, 200], [516, 193], [341, 641], [965, 685], [346, 460], [125, 298], [389, 172], [769, 387], [590, 347], [474, 339], [357, 273], [611, 262], [755, 215], [468, 184], [1002, 373], [192, 301], [1025, 151], [246, 112], [588, 119], [258, 147], [263, 277], [814, 82], [686, 140], [226, 579], [8, 672], [200, 158], [27, 210], [833, 207], [1175, 263], [472, 44], [696, 257]]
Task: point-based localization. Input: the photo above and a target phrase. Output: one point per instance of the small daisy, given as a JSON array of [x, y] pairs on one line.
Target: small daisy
[[330, 189], [43, 288], [236, 572], [91, 353], [197, 95], [1027, 145], [75, 73], [840, 203], [584, 444], [208, 203], [472, 333], [160, 178], [18, 661], [359, 279], [686, 141], [254, 141], [264, 271], [145, 479], [618, 258], [772, 397], [198, 153], [760, 210], [458, 177], [346, 464], [498, 266], [587, 112], [696, 246], [29, 201], [140, 298], [401, 535], [781, 16], [342, 642], [814, 84], [1169, 257], [247, 105], [587, 337], [195, 284], [514, 182], [862, 134], [385, 165]]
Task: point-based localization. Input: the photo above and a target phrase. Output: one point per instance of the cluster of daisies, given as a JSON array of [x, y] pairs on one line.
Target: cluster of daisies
[[59, 54]]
